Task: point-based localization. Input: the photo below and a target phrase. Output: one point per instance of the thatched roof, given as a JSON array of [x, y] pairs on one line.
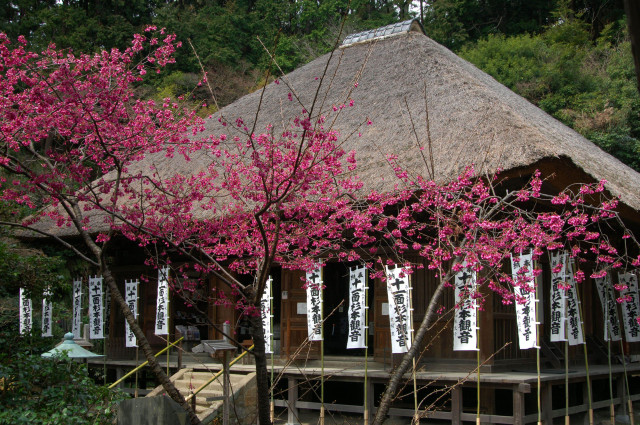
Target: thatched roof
[[473, 119]]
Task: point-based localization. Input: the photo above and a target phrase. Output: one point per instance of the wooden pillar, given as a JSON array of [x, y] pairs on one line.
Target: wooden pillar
[[621, 390], [292, 398], [486, 342], [369, 401], [456, 405], [546, 394], [120, 374], [225, 388], [518, 406]]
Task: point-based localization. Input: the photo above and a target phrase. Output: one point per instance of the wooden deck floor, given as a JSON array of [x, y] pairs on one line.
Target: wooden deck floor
[[514, 392]]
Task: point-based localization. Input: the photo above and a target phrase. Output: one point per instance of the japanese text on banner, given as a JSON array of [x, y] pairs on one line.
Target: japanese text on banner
[[630, 307], [314, 304], [465, 328], [77, 308], [96, 310], [26, 313], [131, 298], [47, 314], [526, 303], [400, 317], [558, 297], [162, 302], [267, 317], [574, 318], [609, 308], [357, 304]]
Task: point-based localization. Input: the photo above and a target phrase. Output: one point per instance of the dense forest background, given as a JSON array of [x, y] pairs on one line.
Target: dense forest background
[[570, 57]]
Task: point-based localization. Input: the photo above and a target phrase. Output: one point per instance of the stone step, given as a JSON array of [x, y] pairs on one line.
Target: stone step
[[189, 380]]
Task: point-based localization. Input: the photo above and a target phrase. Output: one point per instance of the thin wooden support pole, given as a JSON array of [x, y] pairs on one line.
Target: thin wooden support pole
[[366, 348], [586, 357], [626, 381], [478, 384], [537, 293], [272, 408], [416, 413], [168, 330], [135, 393], [566, 383], [322, 359]]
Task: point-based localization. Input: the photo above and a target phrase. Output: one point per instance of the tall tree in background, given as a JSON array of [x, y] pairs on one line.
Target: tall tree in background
[[632, 9]]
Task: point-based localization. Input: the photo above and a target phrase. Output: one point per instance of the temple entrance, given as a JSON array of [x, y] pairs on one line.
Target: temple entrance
[[336, 311], [293, 329]]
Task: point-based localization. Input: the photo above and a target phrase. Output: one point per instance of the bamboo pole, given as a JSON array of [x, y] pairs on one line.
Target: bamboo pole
[[366, 347], [478, 379], [539, 392], [217, 374], [272, 409], [612, 409], [104, 360], [586, 356], [626, 380], [322, 351], [168, 328], [143, 364], [135, 393], [416, 414], [566, 382], [475, 305]]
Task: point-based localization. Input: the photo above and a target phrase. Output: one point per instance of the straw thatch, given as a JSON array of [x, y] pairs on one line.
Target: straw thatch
[[473, 119]]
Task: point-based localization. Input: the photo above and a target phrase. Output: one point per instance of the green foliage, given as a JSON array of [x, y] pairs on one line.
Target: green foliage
[[588, 85], [456, 22], [35, 390], [25, 268]]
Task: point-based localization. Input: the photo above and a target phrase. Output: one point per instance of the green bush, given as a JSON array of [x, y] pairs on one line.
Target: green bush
[[36, 390]]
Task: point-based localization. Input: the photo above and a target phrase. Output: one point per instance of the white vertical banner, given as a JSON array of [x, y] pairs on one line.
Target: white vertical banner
[[96, 308], [609, 308], [131, 298], [357, 304], [465, 322], [267, 317], [26, 313], [558, 302], [400, 317], [162, 302], [314, 304], [76, 324], [574, 318], [47, 314], [107, 311], [526, 302], [630, 307]]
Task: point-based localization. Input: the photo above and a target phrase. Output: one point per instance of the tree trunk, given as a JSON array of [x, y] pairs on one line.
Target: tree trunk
[[143, 344], [262, 376], [407, 360], [632, 10]]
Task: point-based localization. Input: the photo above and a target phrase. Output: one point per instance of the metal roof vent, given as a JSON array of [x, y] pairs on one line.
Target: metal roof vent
[[383, 32]]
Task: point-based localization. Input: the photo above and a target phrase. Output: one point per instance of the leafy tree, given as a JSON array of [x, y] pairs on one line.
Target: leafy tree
[[589, 86]]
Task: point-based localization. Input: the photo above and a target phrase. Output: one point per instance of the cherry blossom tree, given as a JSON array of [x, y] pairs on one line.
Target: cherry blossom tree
[[475, 222], [71, 126], [80, 151], [75, 139], [248, 203]]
